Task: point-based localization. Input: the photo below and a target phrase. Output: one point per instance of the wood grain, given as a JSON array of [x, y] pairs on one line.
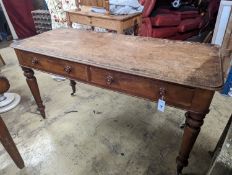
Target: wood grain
[[184, 74], [191, 64]]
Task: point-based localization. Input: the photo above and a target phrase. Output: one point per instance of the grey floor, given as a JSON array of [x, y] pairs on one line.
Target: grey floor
[[99, 132]]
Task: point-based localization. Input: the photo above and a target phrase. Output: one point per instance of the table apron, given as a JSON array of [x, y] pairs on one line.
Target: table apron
[[176, 95], [97, 22]]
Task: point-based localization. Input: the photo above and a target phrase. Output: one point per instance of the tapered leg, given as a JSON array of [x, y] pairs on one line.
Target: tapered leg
[[193, 124], [9, 145], [73, 85], [32, 83]]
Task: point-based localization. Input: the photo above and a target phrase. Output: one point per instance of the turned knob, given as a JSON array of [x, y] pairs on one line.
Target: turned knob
[[4, 85], [67, 69], [109, 80], [34, 61]]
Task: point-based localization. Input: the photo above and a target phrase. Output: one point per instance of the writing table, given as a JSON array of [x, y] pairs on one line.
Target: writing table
[[186, 75]]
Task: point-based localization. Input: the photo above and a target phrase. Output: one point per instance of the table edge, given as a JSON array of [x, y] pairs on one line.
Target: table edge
[[214, 88]]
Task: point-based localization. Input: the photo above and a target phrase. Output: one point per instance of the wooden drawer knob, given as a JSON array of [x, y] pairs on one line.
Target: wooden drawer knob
[[109, 80], [34, 61], [68, 69]]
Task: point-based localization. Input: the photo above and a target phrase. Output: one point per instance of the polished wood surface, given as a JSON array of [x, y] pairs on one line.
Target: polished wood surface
[[184, 74], [118, 23]]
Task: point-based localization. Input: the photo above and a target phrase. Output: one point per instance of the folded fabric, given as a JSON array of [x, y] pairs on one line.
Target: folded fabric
[[98, 10], [125, 7], [131, 3]]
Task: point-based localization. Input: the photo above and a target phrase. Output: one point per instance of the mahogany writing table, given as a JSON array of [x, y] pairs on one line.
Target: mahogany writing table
[[185, 74], [117, 23]]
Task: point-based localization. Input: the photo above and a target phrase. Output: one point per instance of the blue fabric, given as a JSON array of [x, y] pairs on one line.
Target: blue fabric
[[228, 84], [4, 29]]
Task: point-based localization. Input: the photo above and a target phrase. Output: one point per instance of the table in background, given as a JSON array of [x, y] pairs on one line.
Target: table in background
[[117, 23]]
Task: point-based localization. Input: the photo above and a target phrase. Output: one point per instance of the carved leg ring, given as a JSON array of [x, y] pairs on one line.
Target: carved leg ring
[[193, 124], [73, 85], [9, 145], [32, 83]]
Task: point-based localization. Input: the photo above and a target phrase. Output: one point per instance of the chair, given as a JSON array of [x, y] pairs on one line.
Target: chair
[[99, 3], [181, 24]]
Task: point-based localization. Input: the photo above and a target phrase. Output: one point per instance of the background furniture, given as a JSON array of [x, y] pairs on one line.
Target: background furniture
[[222, 37], [7, 100], [5, 137], [42, 20], [19, 13], [117, 23], [136, 66], [100, 3], [12, 30], [163, 22]]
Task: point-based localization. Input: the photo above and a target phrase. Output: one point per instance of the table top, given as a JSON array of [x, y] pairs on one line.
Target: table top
[[191, 64], [86, 11]]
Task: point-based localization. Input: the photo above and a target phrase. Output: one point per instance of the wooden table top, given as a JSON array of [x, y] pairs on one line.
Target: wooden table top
[[185, 63], [86, 11]]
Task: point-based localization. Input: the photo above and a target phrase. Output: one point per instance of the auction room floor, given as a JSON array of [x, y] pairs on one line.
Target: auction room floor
[[99, 131]]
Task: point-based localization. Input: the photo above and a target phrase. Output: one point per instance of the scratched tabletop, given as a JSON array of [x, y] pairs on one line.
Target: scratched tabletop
[[185, 63]]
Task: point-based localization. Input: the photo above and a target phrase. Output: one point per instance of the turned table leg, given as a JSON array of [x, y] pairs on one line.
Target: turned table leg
[[9, 145], [193, 124], [73, 85], [32, 83]]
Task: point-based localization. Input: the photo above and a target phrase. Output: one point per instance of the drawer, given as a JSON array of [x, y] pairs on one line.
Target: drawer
[[106, 23], [53, 65], [80, 19], [143, 87]]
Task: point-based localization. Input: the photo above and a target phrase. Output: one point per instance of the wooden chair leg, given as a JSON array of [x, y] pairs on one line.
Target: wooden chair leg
[[9, 145]]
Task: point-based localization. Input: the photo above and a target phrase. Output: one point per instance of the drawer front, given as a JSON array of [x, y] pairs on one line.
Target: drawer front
[[80, 19], [143, 87], [95, 21], [106, 23], [53, 65]]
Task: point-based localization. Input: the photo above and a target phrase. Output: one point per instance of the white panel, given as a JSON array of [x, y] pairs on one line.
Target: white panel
[[222, 22]]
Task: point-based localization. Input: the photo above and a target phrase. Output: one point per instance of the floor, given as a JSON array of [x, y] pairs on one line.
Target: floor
[[99, 132]]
